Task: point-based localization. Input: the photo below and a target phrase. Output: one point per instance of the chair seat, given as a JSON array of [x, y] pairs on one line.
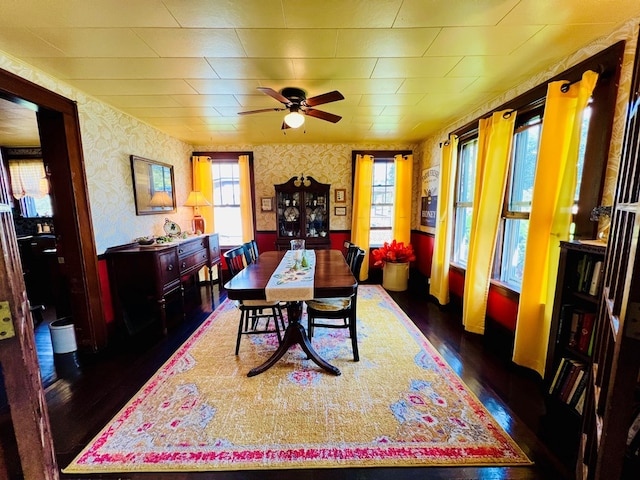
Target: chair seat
[[329, 304]]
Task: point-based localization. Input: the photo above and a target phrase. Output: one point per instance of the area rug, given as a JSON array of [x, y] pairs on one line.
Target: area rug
[[400, 405]]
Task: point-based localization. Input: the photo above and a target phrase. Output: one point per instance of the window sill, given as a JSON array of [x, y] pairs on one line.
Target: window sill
[[502, 288]]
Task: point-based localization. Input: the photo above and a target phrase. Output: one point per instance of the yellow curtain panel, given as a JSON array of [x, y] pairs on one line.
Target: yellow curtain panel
[[246, 207], [403, 194], [439, 281], [494, 150], [203, 182], [550, 218], [361, 214]]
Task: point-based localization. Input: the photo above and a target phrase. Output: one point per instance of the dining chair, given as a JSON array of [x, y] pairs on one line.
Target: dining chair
[[251, 251], [342, 308], [255, 315], [351, 249]]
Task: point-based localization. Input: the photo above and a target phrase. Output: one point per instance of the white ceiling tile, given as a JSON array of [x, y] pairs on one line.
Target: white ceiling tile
[[227, 14], [481, 40], [127, 68], [83, 13], [340, 14], [192, 42], [252, 68], [95, 42], [414, 67], [288, 43], [452, 13], [406, 42]]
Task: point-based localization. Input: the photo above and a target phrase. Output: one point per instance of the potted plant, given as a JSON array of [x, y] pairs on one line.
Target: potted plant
[[394, 258]]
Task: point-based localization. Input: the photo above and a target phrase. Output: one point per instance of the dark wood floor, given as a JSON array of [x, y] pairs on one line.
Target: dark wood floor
[[82, 400]]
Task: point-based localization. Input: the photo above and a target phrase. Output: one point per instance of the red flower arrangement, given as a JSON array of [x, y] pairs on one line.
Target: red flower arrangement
[[394, 252]]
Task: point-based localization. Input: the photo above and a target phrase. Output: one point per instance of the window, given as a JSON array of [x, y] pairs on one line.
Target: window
[[382, 197], [30, 186], [515, 220], [514, 227], [463, 204], [226, 201]]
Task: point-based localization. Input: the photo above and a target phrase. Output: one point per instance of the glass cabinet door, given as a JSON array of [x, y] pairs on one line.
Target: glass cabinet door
[[289, 214], [316, 215]]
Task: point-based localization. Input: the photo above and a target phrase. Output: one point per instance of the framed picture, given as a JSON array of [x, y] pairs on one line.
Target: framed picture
[[153, 186], [266, 204], [340, 211], [341, 195]]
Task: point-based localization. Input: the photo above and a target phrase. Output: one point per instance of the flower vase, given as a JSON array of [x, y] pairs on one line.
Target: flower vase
[[395, 276]]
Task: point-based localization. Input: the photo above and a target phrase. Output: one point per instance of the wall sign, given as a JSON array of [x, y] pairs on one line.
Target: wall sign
[[428, 211]]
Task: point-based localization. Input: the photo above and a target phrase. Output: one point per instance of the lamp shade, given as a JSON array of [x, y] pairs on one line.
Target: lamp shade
[[294, 119], [161, 199], [196, 199]]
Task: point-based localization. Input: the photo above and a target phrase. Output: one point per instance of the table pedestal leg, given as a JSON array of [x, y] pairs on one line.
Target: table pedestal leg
[[294, 335]]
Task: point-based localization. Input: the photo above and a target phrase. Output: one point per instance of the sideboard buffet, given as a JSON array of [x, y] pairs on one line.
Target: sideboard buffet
[[141, 277]]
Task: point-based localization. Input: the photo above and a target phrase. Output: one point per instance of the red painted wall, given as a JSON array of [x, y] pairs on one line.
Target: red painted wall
[[502, 309], [423, 246], [107, 303]]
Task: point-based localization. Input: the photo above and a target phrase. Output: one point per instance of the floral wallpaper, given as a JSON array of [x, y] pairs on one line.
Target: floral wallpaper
[[430, 149], [326, 163]]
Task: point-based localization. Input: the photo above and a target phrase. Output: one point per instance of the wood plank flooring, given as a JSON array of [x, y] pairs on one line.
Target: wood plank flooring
[[83, 400]]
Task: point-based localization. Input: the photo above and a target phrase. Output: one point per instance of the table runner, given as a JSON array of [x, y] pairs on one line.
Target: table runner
[[293, 279]]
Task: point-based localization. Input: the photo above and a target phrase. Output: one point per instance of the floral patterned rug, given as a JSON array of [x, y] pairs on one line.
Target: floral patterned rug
[[401, 405]]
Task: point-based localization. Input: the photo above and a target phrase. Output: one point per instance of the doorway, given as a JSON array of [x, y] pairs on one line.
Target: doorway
[[59, 132]]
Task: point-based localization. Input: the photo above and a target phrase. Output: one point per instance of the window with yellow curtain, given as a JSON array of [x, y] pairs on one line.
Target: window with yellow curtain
[[227, 196], [513, 230], [382, 195]]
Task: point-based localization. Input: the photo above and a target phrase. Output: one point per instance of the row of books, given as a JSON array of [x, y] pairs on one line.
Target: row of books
[[588, 275], [570, 382]]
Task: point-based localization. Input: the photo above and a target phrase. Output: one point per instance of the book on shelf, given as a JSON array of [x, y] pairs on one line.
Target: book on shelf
[[567, 379], [596, 278], [578, 389], [580, 403], [575, 329], [581, 329]]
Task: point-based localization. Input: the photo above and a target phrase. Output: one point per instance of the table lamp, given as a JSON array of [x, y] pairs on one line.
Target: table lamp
[[196, 199]]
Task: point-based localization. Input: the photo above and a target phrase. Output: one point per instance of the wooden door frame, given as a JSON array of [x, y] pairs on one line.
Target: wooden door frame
[[59, 128]]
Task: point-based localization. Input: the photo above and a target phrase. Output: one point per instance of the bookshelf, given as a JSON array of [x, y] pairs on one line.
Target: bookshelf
[[610, 438], [571, 339]]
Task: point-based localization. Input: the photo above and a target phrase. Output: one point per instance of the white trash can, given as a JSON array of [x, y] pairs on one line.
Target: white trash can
[[63, 335]]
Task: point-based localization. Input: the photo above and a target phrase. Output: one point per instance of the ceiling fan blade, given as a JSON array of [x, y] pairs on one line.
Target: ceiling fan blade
[[262, 110], [329, 117], [324, 98], [272, 93]]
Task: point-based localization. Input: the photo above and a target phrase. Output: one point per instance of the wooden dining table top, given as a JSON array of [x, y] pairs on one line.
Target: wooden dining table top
[[333, 277]]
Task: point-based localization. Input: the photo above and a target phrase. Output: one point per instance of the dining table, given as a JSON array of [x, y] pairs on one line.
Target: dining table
[[332, 278]]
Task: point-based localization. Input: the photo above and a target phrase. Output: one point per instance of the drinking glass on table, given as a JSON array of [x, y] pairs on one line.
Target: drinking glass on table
[[298, 247]]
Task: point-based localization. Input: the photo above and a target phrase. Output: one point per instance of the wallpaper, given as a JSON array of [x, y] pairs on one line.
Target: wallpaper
[[430, 149], [326, 163]]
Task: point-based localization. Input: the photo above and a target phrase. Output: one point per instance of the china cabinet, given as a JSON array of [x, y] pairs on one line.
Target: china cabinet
[[302, 212]]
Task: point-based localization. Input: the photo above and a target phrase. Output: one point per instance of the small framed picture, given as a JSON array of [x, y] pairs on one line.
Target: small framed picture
[[340, 211], [341, 195], [266, 204]]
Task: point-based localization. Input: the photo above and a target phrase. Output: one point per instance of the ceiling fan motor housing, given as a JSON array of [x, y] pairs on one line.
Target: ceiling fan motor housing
[[295, 95]]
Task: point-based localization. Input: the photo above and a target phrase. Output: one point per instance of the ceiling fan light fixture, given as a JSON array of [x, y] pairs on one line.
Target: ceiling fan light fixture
[[294, 119]]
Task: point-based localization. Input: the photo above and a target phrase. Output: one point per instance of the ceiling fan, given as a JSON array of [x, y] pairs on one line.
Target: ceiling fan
[[295, 100]]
